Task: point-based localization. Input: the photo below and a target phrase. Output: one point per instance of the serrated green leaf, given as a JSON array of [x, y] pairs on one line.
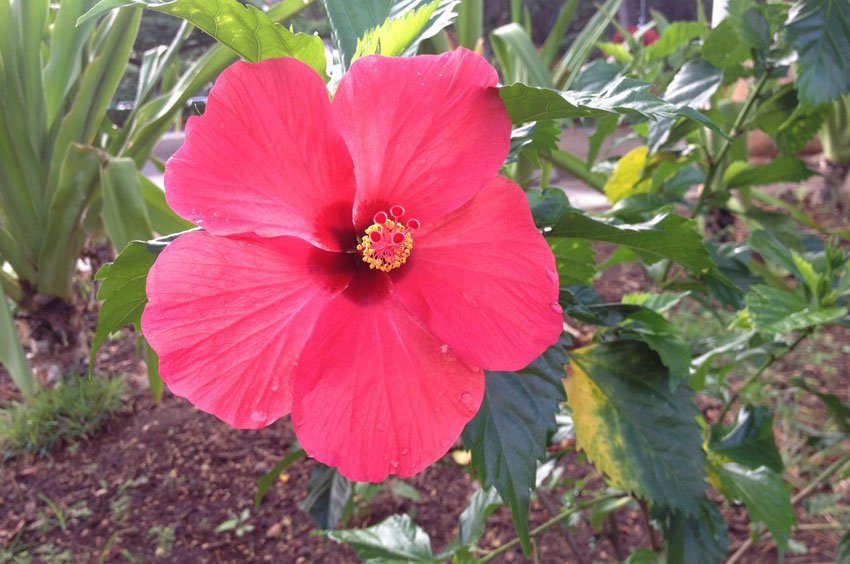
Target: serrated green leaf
[[395, 540], [622, 96], [819, 30], [245, 29], [328, 492], [695, 539], [659, 303], [676, 36], [779, 311], [575, 260], [765, 494], [402, 33], [351, 19], [750, 442], [472, 520], [508, 435], [122, 292], [623, 411], [122, 288], [665, 236]]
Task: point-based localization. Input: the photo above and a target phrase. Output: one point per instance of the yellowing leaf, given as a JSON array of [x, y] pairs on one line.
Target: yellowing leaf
[[628, 178], [623, 414]]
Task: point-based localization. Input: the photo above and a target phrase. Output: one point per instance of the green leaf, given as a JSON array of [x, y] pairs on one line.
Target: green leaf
[[518, 58], [163, 220], [245, 29], [351, 20], [402, 33], [750, 442], [778, 311], [765, 494], [64, 236], [269, 478], [328, 492], [472, 521], [621, 96], [157, 386], [469, 27], [125, 215], [781, 169], [722, 48], [12, 353], [395, 540], [674, 38], [509, 433], [575, 260], [695, 539], [819, 30], [122, 289], [623, 413], [570, 65], [665, 236]]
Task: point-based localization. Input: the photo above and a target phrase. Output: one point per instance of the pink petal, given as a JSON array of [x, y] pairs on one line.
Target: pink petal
[[265, 158], [483, 280], [425, 132], [375, 393], [229, 317]]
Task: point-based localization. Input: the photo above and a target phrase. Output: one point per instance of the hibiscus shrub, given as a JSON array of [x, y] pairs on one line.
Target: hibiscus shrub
[[372, 257]]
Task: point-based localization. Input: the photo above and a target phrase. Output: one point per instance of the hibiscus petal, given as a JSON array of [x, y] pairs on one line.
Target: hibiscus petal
[[425, 132], [484, 280], [229, 317], [375, 393], [265, 158]]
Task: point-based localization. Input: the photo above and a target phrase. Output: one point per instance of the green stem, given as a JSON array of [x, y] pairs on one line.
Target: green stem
[[716, 162], [767, 363], [553, 521]]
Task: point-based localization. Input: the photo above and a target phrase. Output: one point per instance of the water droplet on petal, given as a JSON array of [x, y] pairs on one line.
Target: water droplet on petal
[[403, 451], [394, 464], [258, 416], [466, 397], [555, 307], [381, 426], [445, 443], [437, 409], [444, 348], [298, 422], [553, 276]]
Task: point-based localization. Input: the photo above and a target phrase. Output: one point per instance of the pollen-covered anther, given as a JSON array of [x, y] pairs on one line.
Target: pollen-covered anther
[[387, 243]]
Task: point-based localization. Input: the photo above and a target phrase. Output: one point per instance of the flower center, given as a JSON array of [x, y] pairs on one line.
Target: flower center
[[388, 241]]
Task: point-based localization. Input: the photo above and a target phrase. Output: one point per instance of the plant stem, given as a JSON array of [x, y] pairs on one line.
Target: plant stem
[[653, 538], [774, 356], [717, 161], [553, 521], [802, 494], [571, 541]]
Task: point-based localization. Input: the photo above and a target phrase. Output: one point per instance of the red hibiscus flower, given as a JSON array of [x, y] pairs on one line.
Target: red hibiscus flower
[[361, 261]]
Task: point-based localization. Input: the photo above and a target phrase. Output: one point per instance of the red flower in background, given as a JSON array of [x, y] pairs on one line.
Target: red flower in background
[[361, 261], [649, 37]]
